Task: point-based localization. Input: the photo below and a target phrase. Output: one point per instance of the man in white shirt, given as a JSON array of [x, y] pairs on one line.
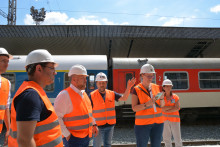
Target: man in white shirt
[[74, 110], [5, 87]]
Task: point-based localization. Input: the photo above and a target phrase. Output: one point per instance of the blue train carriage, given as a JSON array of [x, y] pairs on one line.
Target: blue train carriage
[[94, 64]]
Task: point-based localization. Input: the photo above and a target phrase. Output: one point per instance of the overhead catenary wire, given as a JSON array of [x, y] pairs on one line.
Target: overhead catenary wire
[[123, 13]]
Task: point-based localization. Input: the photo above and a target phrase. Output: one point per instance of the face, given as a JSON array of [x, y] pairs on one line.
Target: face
[[79, 81], [3, 64], [147, 77], [101, 85], [167, 88], [49, 73]]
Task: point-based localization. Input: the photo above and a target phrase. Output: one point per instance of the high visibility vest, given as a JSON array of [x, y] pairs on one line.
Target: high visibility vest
[[104, 111], [79, 121], [47, 132], [172, 116], [4, 92], [148, 115]]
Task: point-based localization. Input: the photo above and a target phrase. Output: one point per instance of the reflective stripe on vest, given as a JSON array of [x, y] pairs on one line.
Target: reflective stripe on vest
[[38, 129], [104, 118], [4, 93], [148, 115], [104, 111], [77, 117], [2, 107]]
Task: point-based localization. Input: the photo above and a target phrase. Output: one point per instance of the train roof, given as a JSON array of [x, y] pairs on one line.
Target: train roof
[[91, 62], [167, 63]]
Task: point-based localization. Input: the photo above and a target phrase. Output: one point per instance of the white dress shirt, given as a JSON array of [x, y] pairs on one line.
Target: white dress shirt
[[9, 94], [63, 105]]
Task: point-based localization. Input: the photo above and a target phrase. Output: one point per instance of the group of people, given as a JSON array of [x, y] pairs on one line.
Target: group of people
[[77, 117]]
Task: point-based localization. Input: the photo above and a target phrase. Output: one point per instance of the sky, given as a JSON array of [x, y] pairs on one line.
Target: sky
[[171, 13]]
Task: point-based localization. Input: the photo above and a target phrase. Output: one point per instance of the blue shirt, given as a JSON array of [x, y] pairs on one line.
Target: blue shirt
[[30, 107]]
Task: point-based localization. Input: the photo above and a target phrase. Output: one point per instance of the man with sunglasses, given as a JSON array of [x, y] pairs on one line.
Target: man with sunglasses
[[5, 87], [33, 119]]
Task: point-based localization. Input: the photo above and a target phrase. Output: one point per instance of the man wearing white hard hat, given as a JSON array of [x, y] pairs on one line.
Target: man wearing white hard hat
[[103, 102], [33, 119], [74, 110], [171, 116], [5, 87], [147, 102]]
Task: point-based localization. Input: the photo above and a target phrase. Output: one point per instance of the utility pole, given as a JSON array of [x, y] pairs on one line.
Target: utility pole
[[12, 4], [11, 17], [38, 16]]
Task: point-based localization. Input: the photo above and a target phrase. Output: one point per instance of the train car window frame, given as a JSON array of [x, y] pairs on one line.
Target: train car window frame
[[12, 82], [187, 75], [64, 81], [199, 79], [89, 81]]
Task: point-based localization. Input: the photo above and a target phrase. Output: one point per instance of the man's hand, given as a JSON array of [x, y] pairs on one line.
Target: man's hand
[[131, 83], [6, 138], [68, 137], [95, 130]]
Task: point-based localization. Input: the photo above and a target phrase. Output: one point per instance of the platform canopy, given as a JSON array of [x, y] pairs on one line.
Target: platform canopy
[[113, 41]]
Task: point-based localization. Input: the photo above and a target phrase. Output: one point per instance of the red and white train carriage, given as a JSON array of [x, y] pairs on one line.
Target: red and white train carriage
[[196, 81]]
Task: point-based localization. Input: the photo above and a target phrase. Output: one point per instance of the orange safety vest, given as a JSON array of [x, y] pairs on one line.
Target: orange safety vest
[[79, 121], [104, 111], [4, 92], [172, 116], [47, 132], [148, 116]]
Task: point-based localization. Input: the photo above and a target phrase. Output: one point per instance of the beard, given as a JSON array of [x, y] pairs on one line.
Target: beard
[[102, 89], [81, 87]]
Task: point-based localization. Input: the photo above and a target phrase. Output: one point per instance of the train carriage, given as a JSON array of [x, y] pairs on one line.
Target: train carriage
[[196, 81]]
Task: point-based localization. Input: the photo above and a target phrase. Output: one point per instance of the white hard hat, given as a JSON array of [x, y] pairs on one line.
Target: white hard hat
[[77, 70], [167, 82], [147, 68], [3, 51], [39, 56], [101, 77]]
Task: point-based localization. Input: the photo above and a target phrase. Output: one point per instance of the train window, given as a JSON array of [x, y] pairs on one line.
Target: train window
[[66, 80], [49, 88], [11, 78], [91, 81], [209, 80], [179, 80]]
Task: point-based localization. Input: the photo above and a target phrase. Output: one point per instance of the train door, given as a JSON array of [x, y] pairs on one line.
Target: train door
[[123, 78]]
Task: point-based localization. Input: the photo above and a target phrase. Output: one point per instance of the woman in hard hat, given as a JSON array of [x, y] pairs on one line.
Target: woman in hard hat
[[148, 117], [171, 116]]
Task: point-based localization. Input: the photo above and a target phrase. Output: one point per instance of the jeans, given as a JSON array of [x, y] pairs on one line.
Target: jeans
[[152, 131], [76, 142], [105, 134]]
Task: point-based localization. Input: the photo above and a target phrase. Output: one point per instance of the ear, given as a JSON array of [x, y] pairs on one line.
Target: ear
[[38, 68]]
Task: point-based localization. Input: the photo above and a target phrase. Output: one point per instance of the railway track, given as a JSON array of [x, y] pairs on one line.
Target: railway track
[[185, 143]]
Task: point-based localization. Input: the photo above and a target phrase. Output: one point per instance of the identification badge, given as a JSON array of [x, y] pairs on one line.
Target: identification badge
[[173, 101]]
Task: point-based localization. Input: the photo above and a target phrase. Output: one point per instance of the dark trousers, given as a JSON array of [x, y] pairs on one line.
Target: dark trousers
[[76, 142], [152, 131]]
